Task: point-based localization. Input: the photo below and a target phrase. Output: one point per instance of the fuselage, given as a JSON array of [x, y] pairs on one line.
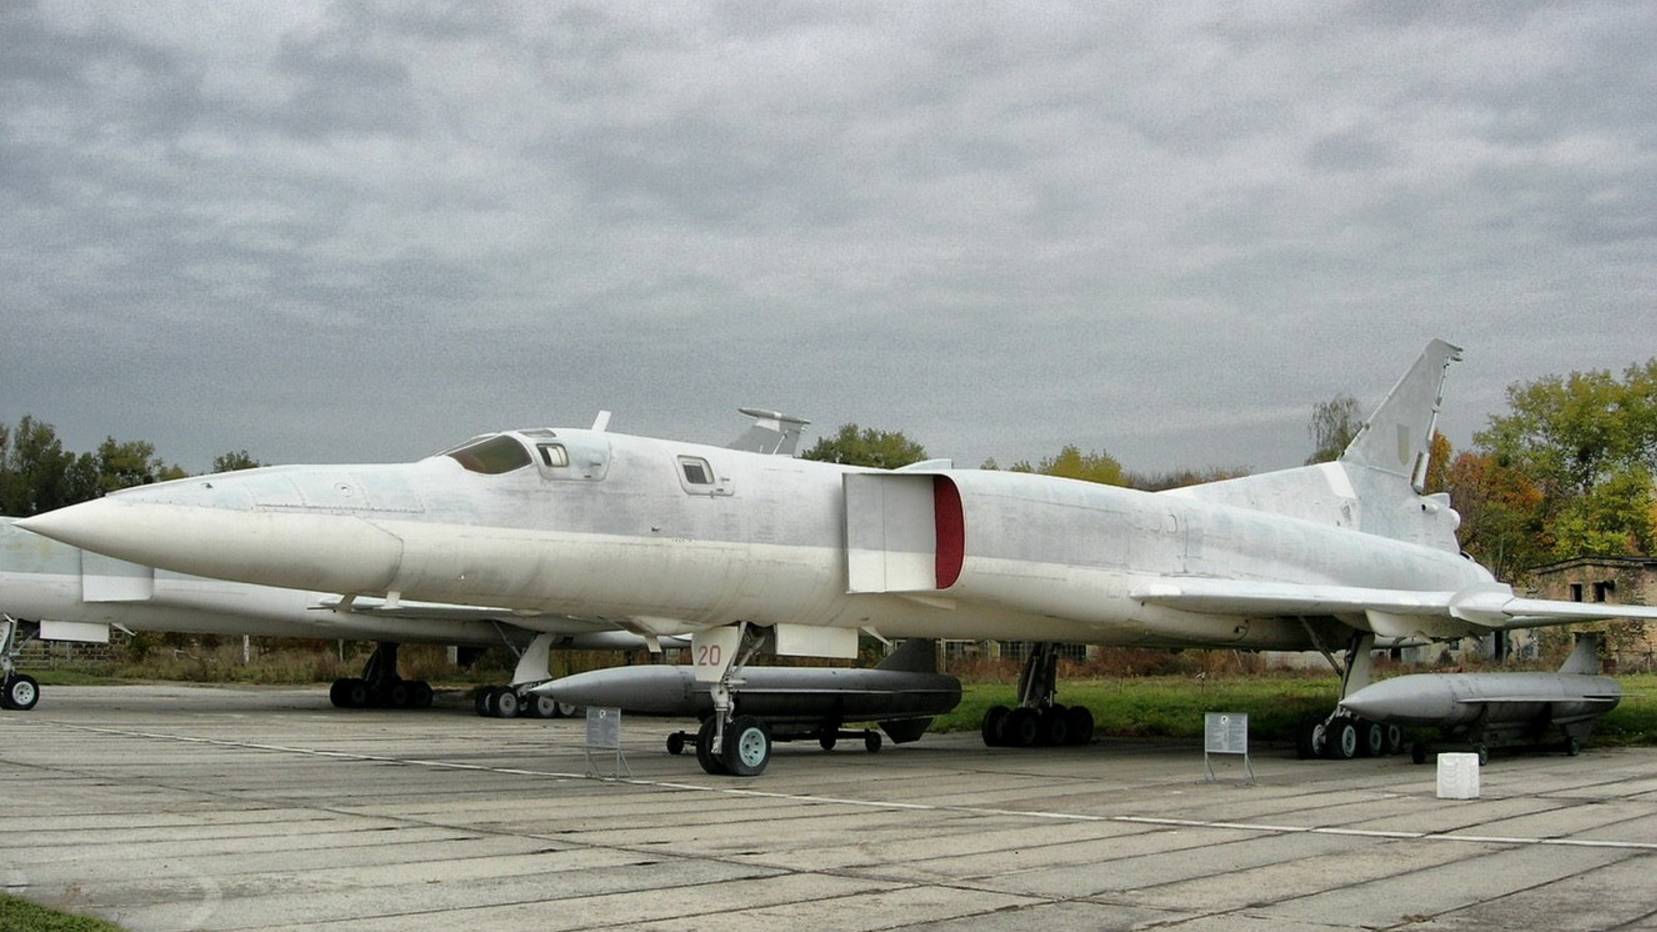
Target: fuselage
[[661, 535]]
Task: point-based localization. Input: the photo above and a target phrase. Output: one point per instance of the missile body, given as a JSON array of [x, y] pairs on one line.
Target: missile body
[[776, 694], [1487, 700]]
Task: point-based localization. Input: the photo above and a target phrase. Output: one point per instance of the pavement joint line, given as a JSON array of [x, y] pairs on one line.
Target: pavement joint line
[[881, 804]]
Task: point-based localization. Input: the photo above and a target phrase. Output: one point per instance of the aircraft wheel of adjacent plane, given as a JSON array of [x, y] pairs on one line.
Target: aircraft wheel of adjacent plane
[[1022, 728], [827, 742], [398, 695], [871, 742], [1573, 747], [1340, 739], [747, 746], [1394, 739], [544, 707], [507, 703], [1372, 738], [1483, 752], [1055, 728], [676, 743], [994, 726], [1080, 721], [357, 693], [705, 755], [1418, 752], [422, 695], [22, 692]]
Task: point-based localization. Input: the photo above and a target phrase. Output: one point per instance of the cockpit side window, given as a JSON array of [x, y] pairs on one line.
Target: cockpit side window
[[696, 470], [553, 454], [499, 454]]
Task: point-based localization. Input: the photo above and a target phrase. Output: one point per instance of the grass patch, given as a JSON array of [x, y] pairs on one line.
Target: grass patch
[[1173, 706], [18, 915]]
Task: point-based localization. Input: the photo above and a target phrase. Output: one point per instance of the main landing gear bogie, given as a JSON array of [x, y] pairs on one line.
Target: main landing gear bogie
[[1038, 720], [356, 693], [1345, 737], [380, 687], [506, 702], [1053, 726]]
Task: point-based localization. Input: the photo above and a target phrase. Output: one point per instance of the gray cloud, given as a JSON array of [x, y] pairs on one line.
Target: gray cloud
[[360, 231]]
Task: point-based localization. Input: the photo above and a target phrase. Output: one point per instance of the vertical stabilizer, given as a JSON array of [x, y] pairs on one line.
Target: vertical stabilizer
[[1398, 436]]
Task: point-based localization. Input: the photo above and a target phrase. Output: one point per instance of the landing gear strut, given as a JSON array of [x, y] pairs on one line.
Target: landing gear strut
[[1038, 720], [380, 686], [1342, 735], [729, 743], [18, 691]]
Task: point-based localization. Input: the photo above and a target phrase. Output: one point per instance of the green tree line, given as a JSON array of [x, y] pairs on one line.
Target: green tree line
[[38, 474]]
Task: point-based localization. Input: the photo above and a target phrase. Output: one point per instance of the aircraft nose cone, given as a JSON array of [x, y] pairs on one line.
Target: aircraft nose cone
[[328, 552], [77, 525]]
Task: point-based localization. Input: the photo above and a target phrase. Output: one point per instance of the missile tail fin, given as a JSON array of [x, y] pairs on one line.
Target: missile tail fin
[[1584, 658]]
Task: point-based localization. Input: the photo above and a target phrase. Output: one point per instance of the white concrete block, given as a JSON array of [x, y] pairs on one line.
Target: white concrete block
[[1458, 776]]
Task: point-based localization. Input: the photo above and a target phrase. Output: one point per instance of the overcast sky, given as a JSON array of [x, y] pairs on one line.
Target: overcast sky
[[348, 232]]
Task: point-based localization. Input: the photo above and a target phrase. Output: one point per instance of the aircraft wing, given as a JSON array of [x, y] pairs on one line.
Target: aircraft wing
[[443, 611], [1395, 612]]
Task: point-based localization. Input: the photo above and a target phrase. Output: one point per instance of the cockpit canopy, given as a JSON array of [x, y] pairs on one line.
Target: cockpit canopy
[[576, 455], [493, 455]]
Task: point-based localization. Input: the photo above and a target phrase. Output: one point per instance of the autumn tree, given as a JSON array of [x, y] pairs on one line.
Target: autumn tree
[[1589, 441], [883, 449]]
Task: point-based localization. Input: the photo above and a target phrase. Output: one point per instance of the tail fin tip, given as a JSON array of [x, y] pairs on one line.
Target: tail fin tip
[[1397, 437]]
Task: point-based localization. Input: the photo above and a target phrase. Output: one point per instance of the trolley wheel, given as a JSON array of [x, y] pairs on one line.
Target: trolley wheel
[[871, 742], [676, 743]]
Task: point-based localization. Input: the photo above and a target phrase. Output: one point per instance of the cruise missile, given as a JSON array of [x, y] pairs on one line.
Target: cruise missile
[[902, 694], [1496, 708]]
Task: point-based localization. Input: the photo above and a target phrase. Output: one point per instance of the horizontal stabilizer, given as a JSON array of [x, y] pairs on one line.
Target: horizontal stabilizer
[[772, 432]]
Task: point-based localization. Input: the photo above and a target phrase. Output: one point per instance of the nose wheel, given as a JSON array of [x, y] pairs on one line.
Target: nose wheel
[[18, 691]]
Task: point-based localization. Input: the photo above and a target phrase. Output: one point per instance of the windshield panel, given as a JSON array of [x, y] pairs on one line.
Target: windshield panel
[[499, 454]]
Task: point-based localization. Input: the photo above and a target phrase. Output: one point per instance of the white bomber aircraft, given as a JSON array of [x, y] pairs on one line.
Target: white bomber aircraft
[[752, 550]]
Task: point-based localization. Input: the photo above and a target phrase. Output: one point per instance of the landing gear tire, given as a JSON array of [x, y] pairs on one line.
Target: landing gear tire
[[507, 703], [827, 742], [1418, 752], [337, 694], [1022, 729], [705, 753], [543, 707], [21, 692], [357, 693], [1054, 727], [398, 695], [568, 709], [1340, 739], [871, 742], [995, 726], [1394, 739], [480, 701], [1372, 738], [676, 743], [1080, 722], [747, 746]]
